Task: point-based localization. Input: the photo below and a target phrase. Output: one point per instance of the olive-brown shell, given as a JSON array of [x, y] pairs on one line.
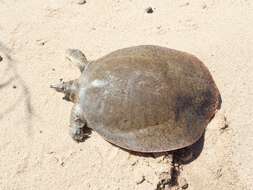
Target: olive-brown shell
[[148, 98]]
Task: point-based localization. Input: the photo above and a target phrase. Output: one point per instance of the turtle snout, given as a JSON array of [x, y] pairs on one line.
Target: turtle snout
[[58, 87]]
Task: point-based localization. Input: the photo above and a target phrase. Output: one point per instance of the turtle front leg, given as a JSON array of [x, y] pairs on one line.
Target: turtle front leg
[[78, 125], [77, 58]]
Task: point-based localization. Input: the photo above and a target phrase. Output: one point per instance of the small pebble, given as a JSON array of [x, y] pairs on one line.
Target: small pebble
[[185, 186], [225, 123], [186, 4], [53, 69], [1, 58], [149, 10], [41, 42], [81, 2], [134, 163], [159, 27], [204, 6], [219, 173], [14, 86], [141, 180], [183, 183]]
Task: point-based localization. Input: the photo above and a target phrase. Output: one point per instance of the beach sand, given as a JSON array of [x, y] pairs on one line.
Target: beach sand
[[36, 151]]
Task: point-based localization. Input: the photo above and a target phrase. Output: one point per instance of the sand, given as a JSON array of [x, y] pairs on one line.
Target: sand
[[36, 151]]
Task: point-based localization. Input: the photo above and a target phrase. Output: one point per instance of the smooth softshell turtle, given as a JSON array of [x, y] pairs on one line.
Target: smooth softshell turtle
[[143, 98]]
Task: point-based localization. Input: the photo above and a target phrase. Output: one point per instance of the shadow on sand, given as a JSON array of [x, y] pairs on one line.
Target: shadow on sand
[[22, 98]]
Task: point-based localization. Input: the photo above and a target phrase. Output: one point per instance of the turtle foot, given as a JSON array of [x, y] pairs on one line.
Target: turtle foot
[[80, 134]]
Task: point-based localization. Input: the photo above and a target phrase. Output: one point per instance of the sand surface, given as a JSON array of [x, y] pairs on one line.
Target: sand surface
[[36, 151]]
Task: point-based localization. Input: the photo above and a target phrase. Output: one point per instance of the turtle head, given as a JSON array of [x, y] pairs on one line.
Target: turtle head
[[69, 89]]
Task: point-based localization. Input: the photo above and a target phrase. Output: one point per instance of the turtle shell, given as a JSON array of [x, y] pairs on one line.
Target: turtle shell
[[148, 98]]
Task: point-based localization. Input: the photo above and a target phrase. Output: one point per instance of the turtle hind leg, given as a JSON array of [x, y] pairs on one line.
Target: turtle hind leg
[[169, 176], [166, 173], [78, 125]]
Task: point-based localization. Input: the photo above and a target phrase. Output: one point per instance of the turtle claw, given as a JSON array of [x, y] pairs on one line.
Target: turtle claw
[[80, 134]]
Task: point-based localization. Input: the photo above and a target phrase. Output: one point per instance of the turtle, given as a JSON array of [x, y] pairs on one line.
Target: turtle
[[145, 98]]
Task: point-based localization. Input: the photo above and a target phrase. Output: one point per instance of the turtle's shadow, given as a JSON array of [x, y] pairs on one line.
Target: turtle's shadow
[[182, 156], [192, 152]]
